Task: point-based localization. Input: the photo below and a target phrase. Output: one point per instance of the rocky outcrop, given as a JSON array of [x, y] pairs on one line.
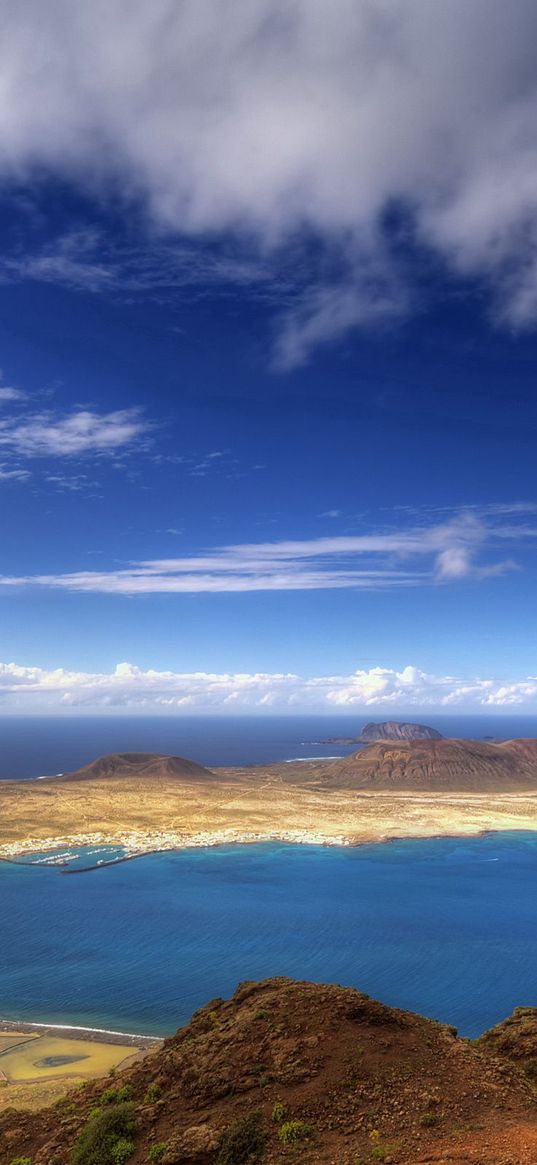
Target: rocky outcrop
[[398, 730], [516, 1039], [298, 1071]]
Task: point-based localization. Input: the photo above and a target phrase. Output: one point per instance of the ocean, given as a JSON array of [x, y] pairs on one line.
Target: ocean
[[446, 927], [42, 746]]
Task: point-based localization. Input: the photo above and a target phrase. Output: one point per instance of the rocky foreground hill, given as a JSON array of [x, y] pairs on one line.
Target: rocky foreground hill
[[301, 1073]]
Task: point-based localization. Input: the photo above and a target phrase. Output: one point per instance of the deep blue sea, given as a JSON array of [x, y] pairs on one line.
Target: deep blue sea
[[39, 746], [445, 927]]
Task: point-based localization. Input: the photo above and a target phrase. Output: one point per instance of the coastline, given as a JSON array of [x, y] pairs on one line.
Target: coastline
[[14, 853], [73, 1031]]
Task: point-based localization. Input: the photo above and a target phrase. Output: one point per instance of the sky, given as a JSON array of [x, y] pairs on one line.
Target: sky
[[268, 339]]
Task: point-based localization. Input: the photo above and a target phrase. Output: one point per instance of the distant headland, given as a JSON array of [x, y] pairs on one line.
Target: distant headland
[[387, 730]]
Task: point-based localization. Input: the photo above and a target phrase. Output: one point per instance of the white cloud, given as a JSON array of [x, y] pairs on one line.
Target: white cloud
[[130, 688], [8, 395], [7, 474], [265, 118], [417, 556], [78, 433]]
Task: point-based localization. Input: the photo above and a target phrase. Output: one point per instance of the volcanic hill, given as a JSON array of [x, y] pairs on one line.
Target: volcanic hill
[[398, 730], [387, 730], [138, 764], [294, 1072], [437, 765]]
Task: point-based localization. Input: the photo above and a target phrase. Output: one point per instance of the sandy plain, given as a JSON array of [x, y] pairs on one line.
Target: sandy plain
[[249, 805], [39, 1064]]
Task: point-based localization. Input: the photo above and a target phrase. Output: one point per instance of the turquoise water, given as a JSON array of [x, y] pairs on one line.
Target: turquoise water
[[444, 927]]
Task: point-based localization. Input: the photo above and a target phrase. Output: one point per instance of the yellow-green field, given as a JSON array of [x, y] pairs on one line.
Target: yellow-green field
[[49, 1057], [11, 1040]]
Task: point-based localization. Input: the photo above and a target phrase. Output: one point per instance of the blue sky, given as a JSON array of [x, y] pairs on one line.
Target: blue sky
[[268, 406]]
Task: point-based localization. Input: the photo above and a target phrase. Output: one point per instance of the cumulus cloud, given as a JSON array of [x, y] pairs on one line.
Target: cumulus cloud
[[128, 687], [417, 556], [80, 432], [271, 120]]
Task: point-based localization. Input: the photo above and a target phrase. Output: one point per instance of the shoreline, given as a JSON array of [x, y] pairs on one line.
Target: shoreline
[[75, 1032], [219, 839]]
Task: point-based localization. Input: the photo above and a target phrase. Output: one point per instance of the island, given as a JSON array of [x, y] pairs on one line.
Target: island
[[387, 730], [144, 803]]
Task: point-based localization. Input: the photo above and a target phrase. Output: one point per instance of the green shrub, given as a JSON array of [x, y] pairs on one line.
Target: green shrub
[[530, 1068], [428, 1120], [122, 1150], [152, 1092], [293, 1131], [106, 1138], [109, 1096], [261, 1013], [157, 1151], [124, 1093], [21, 1161], [279, 1112], [242, 1141], [116, 1095]]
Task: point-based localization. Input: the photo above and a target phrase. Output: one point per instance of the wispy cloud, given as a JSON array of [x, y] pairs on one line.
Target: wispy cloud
[[74, 434], [90, 260], [130, 687], [7, 474], [8, 395], [450, 552]]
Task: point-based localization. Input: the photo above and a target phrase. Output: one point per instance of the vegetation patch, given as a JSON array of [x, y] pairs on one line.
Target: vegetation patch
[[157, 1151], [292, 1131], [152, 1093], [107, 1137]]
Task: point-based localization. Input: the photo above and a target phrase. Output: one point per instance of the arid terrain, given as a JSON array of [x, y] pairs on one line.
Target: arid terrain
[[39, 1064], [296, 1071], [404, 789]]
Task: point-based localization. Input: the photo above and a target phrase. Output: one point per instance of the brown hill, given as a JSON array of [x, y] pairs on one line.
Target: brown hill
[[138, 764], [443, 765], [297, 1072]]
